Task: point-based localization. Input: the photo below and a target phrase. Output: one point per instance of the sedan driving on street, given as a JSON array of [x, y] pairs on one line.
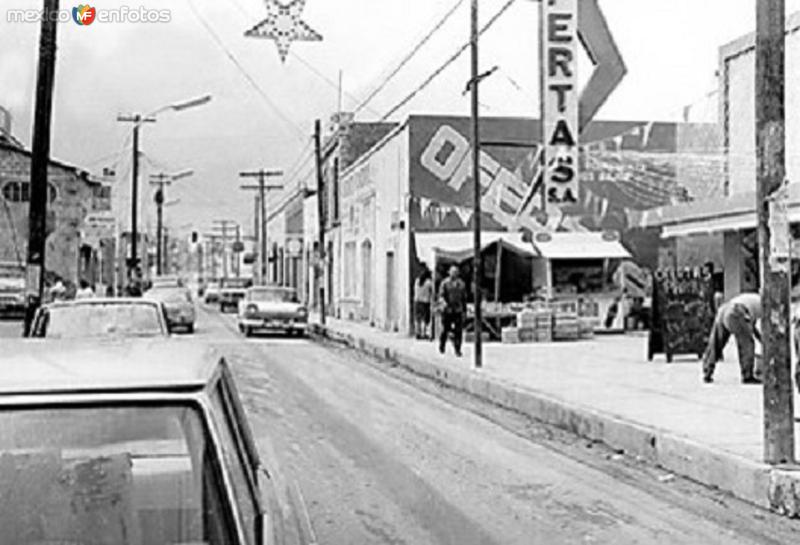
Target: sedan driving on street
[[272, 308], [100, 318], [178, 305], [12, 290], [151, 447]]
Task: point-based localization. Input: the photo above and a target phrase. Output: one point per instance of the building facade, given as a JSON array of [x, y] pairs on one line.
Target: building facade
[[73, 195]]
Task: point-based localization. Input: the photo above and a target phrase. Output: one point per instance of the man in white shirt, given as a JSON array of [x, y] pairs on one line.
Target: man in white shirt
[[738, 317], [85, 291]]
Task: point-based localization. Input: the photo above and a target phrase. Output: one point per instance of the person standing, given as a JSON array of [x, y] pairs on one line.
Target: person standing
[[738, 317], [423, 296], [453, 298], [85, 291]]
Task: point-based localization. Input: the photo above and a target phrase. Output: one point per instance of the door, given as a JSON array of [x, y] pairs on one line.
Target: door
[[366, 280], [391, 297]]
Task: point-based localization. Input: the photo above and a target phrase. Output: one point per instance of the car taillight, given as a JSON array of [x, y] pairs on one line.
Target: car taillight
[[302, 310], [251, 309]]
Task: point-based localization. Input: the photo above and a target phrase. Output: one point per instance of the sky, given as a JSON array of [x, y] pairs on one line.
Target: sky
[[262, 112]]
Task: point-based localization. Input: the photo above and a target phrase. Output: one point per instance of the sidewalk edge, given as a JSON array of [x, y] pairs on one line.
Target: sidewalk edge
[[753, 482]]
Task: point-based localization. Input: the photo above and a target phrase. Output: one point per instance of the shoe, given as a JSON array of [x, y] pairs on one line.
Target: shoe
[[458, 354], [708, 379], [441, 349], [751, 380]]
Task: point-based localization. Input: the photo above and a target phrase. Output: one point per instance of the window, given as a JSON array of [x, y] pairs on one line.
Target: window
[[151, 473], [21, 192]]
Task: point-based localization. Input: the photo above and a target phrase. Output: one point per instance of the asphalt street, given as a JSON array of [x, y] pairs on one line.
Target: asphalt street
[[382, 457]]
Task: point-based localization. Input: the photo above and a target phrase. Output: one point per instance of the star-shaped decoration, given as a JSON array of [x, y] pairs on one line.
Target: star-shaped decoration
[[284, 25]]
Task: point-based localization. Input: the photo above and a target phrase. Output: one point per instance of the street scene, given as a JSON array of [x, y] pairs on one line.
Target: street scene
[[423, 272]]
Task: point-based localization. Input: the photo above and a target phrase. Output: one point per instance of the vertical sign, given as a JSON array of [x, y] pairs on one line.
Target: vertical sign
[[560, 97]]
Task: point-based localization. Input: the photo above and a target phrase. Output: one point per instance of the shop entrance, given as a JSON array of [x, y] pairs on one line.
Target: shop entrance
[[366, 279], [391, 322]]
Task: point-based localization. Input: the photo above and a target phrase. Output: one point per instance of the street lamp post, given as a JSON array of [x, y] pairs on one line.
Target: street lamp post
[[138, 120], [161, 181]]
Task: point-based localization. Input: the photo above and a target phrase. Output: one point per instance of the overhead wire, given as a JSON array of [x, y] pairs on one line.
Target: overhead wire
[[243, 71], [411, 54], [436, 73]]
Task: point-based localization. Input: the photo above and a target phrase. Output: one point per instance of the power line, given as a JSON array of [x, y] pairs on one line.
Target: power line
[[447, 63], [409, 56], [242, 70]]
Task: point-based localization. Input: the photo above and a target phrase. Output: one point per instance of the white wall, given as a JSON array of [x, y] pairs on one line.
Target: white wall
[[739, 105], [376, 190]]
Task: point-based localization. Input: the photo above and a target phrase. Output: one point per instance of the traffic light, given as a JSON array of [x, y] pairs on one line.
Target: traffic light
[[194, 237]]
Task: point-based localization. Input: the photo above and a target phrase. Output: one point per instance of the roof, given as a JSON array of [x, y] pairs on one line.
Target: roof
[[102, 301], [458, 245], [589, 245], [725, 214], [33, 366]]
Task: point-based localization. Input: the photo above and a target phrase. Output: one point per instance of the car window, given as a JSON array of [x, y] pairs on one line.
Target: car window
[[100, 320], [126, 474], [237, 459], [273, 296]]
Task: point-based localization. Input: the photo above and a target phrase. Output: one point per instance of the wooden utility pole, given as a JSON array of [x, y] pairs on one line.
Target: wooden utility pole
[[477, 266], [37, 213], [223, 225], [773, 230], [322, 220], [263, 187], [161, 181]]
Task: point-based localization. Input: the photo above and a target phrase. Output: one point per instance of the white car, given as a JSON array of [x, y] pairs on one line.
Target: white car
[[272, 308]]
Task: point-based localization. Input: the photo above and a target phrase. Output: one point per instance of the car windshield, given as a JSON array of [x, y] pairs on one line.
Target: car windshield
[[109, 475], [170, 295], [272, 296], [100, 320]]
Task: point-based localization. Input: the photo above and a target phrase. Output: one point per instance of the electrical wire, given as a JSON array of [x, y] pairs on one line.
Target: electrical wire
[[243, 71], [447, 63], [416, 49]]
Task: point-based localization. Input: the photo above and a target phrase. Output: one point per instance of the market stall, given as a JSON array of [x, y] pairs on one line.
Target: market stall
[[507, 277], [582, 272]]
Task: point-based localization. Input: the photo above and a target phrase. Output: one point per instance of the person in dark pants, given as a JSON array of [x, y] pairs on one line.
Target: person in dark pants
[[453, 298], [737, 317]]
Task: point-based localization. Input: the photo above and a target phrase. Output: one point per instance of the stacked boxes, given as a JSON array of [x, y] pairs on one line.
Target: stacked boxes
[[566, 326], [510, 335], [587, 326], [544, 326]]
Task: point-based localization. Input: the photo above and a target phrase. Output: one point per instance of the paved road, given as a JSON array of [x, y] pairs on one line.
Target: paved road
[[10, 328], [381, 461]]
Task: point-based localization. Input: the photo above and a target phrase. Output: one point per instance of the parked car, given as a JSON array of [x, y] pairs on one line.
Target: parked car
[[231, 292], [211, 293], [272, 308], [12, 290], [166, 281], [100, 318], [178, 305], [138, 442]]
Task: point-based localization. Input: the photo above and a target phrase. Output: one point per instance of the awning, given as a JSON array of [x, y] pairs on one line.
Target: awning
[[732, 222], [458, 245], [591, 245]]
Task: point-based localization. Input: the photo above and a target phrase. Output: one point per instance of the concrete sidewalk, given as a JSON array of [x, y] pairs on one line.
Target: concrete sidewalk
[[605, 389]]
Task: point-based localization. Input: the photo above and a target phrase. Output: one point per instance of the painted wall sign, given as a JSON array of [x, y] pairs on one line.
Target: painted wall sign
[[560, 97]]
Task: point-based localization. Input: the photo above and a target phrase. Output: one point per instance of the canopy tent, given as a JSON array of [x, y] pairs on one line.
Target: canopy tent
[[458, 245], [591, 245]]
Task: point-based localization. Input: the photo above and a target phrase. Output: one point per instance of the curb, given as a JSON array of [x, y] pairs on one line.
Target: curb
[[756, 483]]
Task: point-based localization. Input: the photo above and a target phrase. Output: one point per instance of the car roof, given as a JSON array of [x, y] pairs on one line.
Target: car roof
[[102, 301], [271, 288], [33, 366]]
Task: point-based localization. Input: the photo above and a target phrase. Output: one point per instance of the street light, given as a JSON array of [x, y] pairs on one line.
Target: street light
[[137, 120]]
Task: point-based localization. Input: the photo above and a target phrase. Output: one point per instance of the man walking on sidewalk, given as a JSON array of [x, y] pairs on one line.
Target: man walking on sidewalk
[[738, 317], [453, 298]]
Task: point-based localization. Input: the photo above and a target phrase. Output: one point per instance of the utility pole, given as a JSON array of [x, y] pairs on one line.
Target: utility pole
[[477, 266], [161, 181], [237, 263], [37, 213], [773, 230], [263, 187], [321, 216], [133, 259], [224, 224]]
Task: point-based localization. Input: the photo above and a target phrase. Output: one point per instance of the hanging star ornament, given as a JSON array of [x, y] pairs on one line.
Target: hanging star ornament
[[285, 25]]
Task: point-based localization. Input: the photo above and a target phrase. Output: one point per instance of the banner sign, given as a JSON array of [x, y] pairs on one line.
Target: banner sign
[[560, 98]]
